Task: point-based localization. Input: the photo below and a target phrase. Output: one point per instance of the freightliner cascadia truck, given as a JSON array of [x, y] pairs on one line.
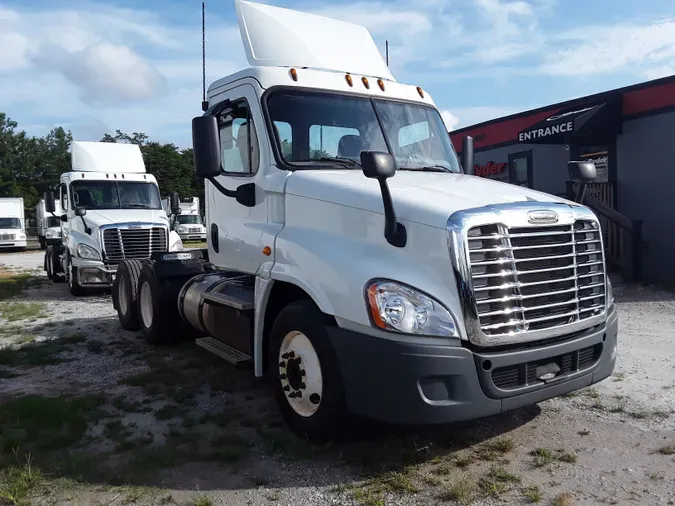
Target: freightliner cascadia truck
[[111, 211], [353, 263]]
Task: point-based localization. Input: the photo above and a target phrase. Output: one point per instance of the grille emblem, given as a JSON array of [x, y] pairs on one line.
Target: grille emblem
[[547, 376], [542, 217]]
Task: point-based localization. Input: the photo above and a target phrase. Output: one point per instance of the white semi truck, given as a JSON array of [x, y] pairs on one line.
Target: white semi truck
[[12, 224], [188, 223], [111, 211], [352, 262], [48, 224]]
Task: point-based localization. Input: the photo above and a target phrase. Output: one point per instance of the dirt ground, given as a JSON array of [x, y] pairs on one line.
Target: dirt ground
[[90, 414]]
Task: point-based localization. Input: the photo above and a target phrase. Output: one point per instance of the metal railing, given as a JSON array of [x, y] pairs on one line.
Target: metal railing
[[622, 236]]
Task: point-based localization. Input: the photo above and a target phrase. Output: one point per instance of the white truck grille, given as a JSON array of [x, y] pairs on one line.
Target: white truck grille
[[7, 237], [128, 243], [536, 277]]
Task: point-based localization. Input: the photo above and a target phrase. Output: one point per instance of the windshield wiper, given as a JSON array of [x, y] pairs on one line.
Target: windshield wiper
[[428, 168], [346, 162], [137, 206]]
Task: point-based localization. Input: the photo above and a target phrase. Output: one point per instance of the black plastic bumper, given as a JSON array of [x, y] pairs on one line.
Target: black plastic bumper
[[421, 384]]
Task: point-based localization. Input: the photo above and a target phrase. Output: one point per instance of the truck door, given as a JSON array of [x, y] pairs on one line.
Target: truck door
[[234, 230], [65, 207]]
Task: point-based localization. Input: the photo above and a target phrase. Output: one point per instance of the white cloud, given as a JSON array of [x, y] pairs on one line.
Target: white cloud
[[606, 49], [451, 121]]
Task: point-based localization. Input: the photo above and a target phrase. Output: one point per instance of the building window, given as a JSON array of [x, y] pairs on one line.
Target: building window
[[520, 168]]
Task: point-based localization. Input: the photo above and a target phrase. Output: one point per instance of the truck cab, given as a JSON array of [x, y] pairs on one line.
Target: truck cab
[[111, 211], [48, 224], [188, 224], [354, 262], [12, 224]]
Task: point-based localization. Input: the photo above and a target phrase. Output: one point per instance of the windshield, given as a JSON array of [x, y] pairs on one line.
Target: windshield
[[115, 195], [53, 222], [10, 223], [191, 219], [315, 129]]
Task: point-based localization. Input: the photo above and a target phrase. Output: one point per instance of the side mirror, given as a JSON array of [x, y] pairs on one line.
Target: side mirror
[[50, 204], [467, 154], [582, 172], [80, 211], [377, 165], [382, 166], [206, 146], [174, 202]]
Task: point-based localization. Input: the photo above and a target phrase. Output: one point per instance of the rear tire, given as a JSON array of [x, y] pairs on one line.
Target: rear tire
[[125, 291], [157, 309], [43, 243], [55, 267], [302, 361]]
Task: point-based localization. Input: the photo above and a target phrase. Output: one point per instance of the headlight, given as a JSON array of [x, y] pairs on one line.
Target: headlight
[[50, 234], [610, 293], [84, 251], [22, 235], [399, 308], [176, 246], [180, 228]]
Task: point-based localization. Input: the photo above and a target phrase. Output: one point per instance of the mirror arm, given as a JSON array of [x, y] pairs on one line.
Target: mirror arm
[[394, 231], [581, 194], [243, 194], [86, 227]]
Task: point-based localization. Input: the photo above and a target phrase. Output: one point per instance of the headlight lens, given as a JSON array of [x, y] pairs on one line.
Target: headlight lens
[[84, 251], [50, 234], [610, 293], [176, 246], [180, 228], [400, 308]]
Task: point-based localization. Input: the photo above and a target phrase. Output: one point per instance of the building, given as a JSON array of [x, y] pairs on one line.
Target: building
[[630, 134]]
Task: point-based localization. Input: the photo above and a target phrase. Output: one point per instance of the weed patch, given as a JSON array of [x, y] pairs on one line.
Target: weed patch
[[16, 311]]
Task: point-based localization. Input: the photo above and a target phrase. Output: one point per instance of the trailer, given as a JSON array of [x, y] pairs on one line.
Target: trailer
[[355, 262], [12, 224]]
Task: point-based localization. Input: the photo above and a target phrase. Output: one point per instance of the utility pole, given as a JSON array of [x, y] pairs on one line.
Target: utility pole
[[386, 52]]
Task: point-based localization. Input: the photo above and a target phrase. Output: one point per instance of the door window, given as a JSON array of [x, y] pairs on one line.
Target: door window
[[239, 148]]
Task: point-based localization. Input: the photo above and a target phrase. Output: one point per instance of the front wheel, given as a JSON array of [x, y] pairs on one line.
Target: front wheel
[[74, 286], [305, 373]]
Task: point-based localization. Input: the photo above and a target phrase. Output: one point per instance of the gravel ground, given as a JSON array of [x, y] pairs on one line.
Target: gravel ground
[[177, 426]]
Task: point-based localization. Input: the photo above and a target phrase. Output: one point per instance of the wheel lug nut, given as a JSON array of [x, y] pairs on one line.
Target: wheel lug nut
[[302, 372], [302, 386], [287, 388], [282, 376], [282, 364]]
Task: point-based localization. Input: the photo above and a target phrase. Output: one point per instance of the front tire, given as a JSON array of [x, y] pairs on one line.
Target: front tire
[[125, 292], [305, 374], [76, 290]]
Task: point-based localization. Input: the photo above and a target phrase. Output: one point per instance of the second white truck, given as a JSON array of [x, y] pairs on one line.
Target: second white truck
[[188, 223], [12, 224], [48, 224], [111, 211]]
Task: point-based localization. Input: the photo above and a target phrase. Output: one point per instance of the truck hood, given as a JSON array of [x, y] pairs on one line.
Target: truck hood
[[423, 197], [98, 217]]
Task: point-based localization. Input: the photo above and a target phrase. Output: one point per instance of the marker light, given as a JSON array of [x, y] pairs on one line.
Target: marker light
[[419, 90], [365, 82], [294, 74], [380, 83], [348, 77]]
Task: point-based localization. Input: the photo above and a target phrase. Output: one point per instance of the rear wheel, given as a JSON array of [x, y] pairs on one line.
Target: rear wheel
[[305, 374], [157, 299], [55, 267], [125, 290]]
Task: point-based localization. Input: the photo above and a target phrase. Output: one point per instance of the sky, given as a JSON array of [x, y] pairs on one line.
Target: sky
[[97, 66]]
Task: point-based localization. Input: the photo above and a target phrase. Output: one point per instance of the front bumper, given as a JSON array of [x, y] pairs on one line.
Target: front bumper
[[192, 236], [18, 243], [94, 273], [422, 384]]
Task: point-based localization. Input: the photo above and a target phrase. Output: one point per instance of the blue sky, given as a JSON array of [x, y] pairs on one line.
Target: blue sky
[[96, 66]]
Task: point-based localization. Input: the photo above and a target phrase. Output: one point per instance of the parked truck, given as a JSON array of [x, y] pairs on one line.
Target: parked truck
[[188, 223], [111, 211], [351, 259], [12, 224], [48, 224]]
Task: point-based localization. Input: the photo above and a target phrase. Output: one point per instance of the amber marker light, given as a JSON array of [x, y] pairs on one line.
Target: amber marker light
[[365, 82], [380, 83], [374, 311], [420, 91], [349, 80], [294, 74], [267, 251]]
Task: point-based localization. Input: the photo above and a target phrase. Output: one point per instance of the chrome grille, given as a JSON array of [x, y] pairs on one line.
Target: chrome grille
[[531, 278], [127, 243]]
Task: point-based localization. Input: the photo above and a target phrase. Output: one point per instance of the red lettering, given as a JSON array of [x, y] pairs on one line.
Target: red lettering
[[488, 169]]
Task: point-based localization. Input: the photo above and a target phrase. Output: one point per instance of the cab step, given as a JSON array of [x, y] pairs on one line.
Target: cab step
[[237, 293], [232, 355]]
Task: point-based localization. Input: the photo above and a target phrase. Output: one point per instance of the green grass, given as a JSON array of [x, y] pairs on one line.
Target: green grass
[[202, 500], [17, 483], [18, 311], [533, 494], [38, 353], [13, 283], [496, 482], [542, 457], [667, 450], [462, 491], [46, 422]]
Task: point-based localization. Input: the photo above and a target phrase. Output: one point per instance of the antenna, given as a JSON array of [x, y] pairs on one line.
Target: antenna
[[386, 52], [205, 104]]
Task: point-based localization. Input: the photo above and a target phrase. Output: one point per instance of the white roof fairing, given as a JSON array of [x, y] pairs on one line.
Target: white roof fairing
[[106, 157], [278, 37]]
